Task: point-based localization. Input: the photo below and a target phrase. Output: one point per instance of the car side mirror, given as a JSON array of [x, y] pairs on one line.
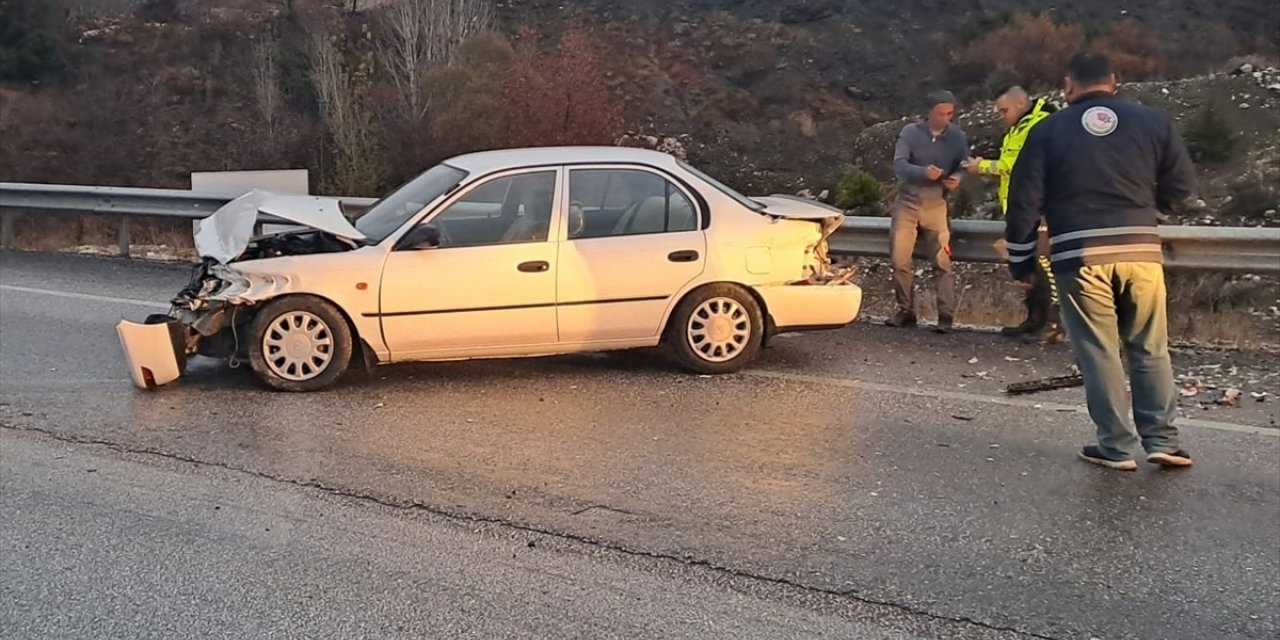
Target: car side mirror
[[422, 237]]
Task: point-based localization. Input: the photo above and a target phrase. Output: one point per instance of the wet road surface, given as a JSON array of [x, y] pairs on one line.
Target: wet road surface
[[101, 544], [866, 467]]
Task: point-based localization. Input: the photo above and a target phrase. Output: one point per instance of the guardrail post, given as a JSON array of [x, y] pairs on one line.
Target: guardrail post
[[6, 228], [124, 236]]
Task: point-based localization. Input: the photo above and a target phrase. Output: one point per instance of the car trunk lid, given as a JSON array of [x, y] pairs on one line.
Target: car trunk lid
[[795, 208]]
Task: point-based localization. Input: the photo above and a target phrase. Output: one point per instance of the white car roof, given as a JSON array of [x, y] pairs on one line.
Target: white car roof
[[489, 161]]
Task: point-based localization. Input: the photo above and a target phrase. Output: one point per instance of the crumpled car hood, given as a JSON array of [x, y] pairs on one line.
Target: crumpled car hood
[[224, 235]]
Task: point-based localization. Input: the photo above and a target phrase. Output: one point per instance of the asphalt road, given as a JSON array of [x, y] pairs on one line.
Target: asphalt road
[[865, 482], [103, 544]]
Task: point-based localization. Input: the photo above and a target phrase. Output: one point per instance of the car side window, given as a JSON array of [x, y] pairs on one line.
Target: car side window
[[510, 210], [623, 202]]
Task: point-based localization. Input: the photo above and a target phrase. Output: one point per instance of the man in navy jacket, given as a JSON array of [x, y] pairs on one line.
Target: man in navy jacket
[[1100, 172]]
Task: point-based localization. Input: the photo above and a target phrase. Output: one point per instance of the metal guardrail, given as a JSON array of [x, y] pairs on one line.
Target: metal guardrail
[[124, 201], [1233, 249], [1237, 249]]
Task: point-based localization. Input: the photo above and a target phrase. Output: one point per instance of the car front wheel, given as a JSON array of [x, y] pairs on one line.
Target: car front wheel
[[716, 329], [300, 343]]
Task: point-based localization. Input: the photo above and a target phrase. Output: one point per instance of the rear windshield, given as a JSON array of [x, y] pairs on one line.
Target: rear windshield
[[723, 188]]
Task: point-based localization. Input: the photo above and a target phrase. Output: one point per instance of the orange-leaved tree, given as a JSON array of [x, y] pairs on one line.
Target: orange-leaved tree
[[560, 97], [1031, 49], [1134, 54]]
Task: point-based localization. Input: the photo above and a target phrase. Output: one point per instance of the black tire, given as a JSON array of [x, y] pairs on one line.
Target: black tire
[[304, 308], [702, 358]]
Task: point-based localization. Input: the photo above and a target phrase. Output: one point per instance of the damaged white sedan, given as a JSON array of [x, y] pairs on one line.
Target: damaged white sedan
[[513, 253]]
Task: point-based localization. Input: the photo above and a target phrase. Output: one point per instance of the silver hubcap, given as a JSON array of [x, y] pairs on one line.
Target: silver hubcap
[[297, 346], [719, 329]]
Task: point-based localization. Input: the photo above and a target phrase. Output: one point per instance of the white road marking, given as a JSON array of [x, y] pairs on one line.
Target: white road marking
[[975, 397], [84, 296]]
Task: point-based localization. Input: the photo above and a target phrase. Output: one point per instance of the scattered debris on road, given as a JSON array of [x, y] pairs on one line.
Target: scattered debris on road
[[1045, 384]]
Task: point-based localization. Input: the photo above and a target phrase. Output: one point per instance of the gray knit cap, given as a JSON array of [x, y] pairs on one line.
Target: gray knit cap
[[936, 98]]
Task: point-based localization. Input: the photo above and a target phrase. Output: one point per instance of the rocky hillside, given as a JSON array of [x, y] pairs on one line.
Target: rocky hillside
[[770, 95]]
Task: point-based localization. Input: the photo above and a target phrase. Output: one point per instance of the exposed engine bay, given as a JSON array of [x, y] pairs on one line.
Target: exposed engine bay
[[294, 243], [218, 301]]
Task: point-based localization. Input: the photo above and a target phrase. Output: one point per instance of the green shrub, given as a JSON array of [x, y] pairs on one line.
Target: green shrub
[[859, 192], [1208, 137]]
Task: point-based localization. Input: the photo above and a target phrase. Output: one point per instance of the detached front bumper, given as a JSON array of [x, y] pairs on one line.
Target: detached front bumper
[[155, 350]]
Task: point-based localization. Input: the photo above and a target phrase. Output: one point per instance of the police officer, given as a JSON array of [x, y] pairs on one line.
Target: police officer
[[1020, 113], [1100, 171]]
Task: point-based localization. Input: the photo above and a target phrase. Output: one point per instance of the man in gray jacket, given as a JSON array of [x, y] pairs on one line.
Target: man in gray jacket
[[927, 161]]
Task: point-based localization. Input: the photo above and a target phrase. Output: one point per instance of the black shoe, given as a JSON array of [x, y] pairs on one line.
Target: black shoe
[[1093, 455], [945, 324], [1028, 326], [1178, 458], [902, 319]]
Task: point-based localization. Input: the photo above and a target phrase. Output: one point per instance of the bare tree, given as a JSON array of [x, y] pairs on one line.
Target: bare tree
[[347, 117], [266, 86], [420, 34]]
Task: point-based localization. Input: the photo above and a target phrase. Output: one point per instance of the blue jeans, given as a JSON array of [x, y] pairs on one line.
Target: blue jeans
[[1114, 308]]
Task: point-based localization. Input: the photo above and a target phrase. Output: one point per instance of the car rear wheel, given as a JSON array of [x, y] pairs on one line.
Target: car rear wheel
[[716, 329], [300, 343]]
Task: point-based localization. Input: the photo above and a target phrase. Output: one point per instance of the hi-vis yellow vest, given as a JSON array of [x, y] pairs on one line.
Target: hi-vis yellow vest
[[1012, 146]]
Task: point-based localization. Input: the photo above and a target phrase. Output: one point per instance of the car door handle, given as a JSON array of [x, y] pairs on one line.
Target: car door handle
[[534, 267], [683, 256]]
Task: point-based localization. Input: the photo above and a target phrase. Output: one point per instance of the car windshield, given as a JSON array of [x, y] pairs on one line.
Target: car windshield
[[743, 200], [391, 212]]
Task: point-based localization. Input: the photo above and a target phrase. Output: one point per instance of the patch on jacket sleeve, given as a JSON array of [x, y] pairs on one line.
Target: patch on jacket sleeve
[[1100, 121]]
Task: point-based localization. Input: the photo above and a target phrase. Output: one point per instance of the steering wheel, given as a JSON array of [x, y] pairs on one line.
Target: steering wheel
[[445, 240], [577, 220]]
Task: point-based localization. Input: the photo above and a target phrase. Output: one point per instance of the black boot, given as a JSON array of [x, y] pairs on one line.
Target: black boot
[[1037, 303], [946, 324], [1028, 326], [903, 318], [1035, 321]]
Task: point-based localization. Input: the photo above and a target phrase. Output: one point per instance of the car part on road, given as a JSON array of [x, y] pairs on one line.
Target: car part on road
[[1045, 384], [155, 350]]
